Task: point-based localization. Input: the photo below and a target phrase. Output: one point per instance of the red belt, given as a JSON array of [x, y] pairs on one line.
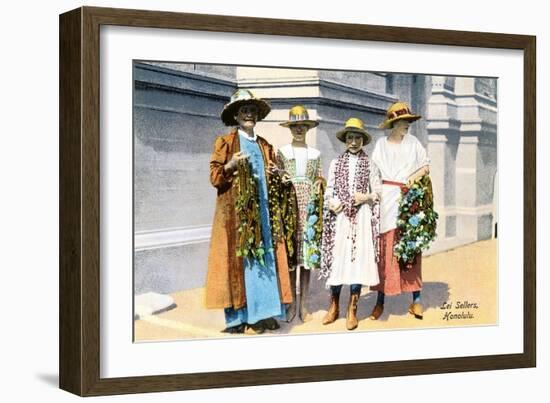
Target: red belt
[[385, 182]]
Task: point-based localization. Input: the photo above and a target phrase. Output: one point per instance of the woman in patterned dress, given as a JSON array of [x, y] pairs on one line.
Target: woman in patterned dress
[[303, 169]]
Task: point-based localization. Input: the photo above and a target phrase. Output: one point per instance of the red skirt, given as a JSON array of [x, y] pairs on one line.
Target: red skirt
[[393, 280]]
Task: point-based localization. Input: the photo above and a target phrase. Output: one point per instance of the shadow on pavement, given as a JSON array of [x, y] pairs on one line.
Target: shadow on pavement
[[434, 294]]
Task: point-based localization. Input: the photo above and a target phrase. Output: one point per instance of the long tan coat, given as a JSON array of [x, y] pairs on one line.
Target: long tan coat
[[225, 286]]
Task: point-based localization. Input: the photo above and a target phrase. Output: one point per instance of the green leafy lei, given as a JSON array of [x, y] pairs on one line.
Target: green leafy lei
[[283, 210], [247, 208]]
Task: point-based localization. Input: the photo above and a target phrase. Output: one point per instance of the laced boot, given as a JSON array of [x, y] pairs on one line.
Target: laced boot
[[333, 310], [351, 316]]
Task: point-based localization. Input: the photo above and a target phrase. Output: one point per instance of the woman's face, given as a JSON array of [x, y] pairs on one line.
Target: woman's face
[[401, 127], [299, 132], [247, 116], [354, 142]]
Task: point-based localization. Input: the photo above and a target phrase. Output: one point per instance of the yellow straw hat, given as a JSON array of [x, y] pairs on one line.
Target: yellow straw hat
[[298, 115], [398, 111], [355, 125], [238, 99]]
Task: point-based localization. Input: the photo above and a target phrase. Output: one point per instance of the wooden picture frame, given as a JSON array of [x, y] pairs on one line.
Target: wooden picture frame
[[80, 200]]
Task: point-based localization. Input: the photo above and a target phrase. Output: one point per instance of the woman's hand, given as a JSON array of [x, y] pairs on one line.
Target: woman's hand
[[285, 178], [232, 164], [418, 174], [272, 168], [361, 198], [335, 206], [318, 185]]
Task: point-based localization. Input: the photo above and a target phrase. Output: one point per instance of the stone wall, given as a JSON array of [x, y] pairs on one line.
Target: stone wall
[[176, 119], [462, 144]]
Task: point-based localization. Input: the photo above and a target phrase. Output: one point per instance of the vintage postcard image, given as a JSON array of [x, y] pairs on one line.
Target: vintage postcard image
[[271, 201]]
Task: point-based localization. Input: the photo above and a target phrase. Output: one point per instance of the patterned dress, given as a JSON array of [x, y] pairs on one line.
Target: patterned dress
[[304, 167]]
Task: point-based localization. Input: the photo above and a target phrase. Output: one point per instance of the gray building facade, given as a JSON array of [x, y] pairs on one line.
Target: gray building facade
[[176, 120]]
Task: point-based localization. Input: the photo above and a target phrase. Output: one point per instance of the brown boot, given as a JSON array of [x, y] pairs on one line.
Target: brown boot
[[333, 310], [416, 310], [351, 316], [304, 292], [377, 311], [291, 308]]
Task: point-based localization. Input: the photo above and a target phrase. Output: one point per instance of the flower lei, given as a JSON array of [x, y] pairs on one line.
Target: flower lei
[[341, 189], [416, 222], [247, 208], [313, 228]]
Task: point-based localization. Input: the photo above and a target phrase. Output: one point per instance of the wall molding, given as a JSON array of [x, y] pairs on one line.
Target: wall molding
[[482, 210], [171, 237]]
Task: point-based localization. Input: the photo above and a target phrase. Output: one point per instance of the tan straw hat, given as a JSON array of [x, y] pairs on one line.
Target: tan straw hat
[[398, 111], [355, 125], [298, 115], [238, 99]]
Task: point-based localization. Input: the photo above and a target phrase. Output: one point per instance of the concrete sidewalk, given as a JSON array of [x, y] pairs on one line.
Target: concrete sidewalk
[[460, 289]]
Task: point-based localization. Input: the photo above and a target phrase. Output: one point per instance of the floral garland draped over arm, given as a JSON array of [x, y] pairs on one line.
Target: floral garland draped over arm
[[313, 228], [416, 222]]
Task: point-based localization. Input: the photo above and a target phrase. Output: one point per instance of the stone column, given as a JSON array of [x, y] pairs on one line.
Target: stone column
[[477, 155], [443, 134]]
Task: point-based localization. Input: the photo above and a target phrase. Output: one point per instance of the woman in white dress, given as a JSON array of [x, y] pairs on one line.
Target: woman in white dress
[[401, 159], [351, 222], [303, 168]]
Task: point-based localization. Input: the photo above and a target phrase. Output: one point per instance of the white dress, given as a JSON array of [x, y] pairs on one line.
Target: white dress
[[363, 270], [396, 163]]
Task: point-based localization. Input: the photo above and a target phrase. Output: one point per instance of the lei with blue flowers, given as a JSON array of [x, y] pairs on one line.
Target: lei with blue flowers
[[416, 222], [313, 228]]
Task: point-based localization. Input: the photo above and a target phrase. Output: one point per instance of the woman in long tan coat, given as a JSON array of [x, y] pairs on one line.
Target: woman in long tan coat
[[250, 293]]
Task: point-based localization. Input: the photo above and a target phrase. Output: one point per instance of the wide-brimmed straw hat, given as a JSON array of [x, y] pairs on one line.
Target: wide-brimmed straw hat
[[355, 125], [398, 111], [239, 98], [298, 115]]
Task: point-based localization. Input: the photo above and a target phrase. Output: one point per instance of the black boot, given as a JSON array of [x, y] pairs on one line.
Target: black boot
[[235, 329], [270, 324], [255, 328]]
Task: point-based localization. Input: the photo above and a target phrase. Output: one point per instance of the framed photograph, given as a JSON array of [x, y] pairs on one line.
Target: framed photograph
[[249, 201]]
